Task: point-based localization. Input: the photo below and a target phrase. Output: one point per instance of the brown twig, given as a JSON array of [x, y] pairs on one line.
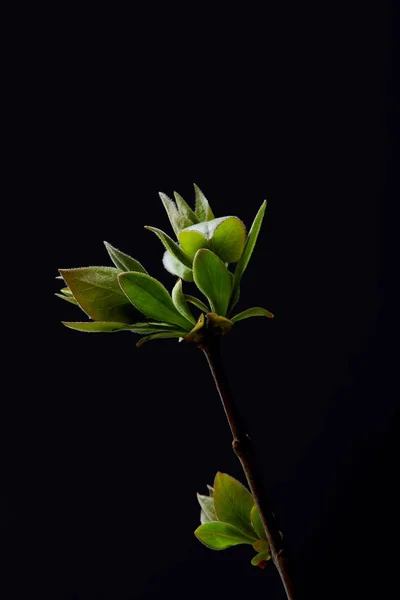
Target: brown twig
[[243, 448]]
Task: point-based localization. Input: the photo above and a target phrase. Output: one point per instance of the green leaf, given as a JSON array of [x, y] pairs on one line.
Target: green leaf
[[225, 236], [248, 251], [233, 503], [160, 336], [171, 246], [229, 239], [184, 209], [193, 335], [207, 228], [98, 293], [66, 291], [151, 298], [256, 311], [203, 209], [260, 559], [257, 523], [70, 299], [175, 267], [197, 302], [178, 299], [210, 490], [97, 326], [261, 546], [213, 279], [191, 241], [219, 536], [207, 506], [178, 221], [123, 261]]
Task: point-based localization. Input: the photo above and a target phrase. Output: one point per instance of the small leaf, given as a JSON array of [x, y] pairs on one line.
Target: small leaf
[[207, 506], [213, 279], [172, 246], [177, 220], [257, 523], [207, 228], [203, 209], [66, 291], [151, 327], [261, 546], [256, 311], [98, 293], [229, 239], [210, 490], [260, 559], [184, 209], [193, 335], [70, 299], [191, 241], [160, 336], [248, 251], [123, 261], [180, 303], [203, 517], [97, 326], [175, 267], [219, 536], [233, 503], [197, 302], [151, 298]]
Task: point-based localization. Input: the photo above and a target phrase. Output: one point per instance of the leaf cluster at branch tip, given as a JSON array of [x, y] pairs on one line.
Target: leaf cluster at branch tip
[[126, 298]]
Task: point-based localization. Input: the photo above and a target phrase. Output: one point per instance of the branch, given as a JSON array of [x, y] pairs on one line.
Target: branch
[[243, 448]]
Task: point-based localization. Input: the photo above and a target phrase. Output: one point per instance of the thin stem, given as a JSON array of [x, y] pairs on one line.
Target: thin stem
[[243, 448]]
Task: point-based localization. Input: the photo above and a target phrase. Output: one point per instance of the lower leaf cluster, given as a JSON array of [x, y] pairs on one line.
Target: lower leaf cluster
[[229, 516]]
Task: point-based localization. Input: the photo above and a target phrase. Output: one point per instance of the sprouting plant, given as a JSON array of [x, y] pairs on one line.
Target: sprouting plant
[[213, 254]]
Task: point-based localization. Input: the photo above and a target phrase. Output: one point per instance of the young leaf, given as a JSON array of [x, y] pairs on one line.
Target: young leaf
[[207, 506], [213, 279], [123, 261], [70, 299], [66, 291], [150, 297], [208, 228], [178, 221], [197, 302], [160, 336], [191, 241], [261, 546], [248, 251], [175, 267], [98, 293], [229, 240], [180, 302], [97, 326], [256, 311], [184, 209], [260, 559], [257, 523], [219, 536], [233, 503], [203, 209], [210, 490], [171, 246], [193, 334]]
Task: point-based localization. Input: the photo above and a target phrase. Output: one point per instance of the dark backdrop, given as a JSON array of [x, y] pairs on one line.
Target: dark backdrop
[[106, 445]]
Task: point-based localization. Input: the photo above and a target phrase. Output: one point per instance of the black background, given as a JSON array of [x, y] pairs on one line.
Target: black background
[[106, 445]]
